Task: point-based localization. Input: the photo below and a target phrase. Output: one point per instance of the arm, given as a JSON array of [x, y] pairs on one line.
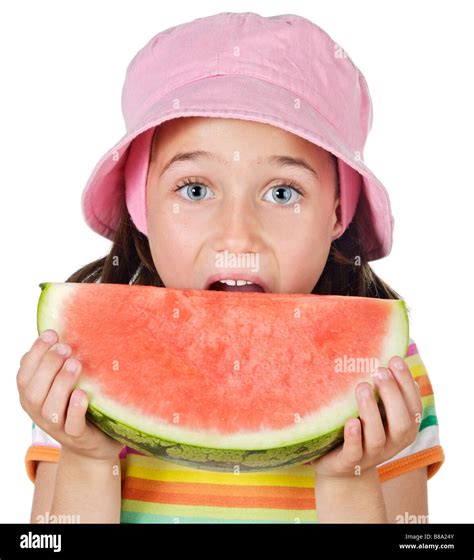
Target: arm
[[44, 491], [356, 500], [87, 490], [406, 496], [364, 499], [76, 490]]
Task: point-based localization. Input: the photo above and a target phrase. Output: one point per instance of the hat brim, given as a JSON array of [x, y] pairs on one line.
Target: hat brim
[[250, 98]]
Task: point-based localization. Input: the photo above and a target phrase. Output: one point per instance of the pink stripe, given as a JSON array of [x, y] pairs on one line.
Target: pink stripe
[[412, 349], [128, 450]]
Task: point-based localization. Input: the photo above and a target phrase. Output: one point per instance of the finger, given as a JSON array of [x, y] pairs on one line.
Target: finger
[[399, 421], [56, 404], [408, 387], [75, 423], [30, 361], [374, 437], [38, 388], [352, 451]]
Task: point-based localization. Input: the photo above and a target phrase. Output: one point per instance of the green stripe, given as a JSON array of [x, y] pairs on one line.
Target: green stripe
[[428, 421], [138, 517], [179, 511]]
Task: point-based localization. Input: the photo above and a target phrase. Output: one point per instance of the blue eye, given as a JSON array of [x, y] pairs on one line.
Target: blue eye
[[194, 190], [283, 194]]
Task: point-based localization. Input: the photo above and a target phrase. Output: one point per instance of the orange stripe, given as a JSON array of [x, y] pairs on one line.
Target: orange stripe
[[207, 488], [431, 458], [425, 385], [180, 498], [183, 493]]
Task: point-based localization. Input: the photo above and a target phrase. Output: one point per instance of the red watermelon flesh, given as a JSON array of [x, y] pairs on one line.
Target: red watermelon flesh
[[220, 380]]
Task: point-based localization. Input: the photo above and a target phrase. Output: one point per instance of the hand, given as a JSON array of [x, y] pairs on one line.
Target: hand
[[368, 441], [47, 394]]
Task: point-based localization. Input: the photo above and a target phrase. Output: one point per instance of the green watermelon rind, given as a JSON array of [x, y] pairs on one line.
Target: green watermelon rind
[[45, 286], [224, 460], [213, 458]]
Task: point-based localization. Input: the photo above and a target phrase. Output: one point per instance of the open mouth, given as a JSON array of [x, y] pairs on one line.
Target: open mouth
[[235, 286]]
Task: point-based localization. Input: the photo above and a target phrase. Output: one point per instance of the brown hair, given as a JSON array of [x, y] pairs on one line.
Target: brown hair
[[347, 271]]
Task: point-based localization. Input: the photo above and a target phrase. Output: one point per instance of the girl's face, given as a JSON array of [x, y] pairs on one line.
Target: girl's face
[[240, 201]]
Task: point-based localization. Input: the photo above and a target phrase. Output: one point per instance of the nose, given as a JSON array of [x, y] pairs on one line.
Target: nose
[[237, 227]]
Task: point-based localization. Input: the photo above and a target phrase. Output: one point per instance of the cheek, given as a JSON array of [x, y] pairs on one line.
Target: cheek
[[302, 248], [169, 218], [295, 230], [302, 260], [173, 241]]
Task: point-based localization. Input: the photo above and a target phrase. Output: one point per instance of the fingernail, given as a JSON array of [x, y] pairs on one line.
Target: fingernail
[[354, 429], [72, 365], [398, 363], [76, 398], [48, 336], [383, 373], [61, 348]]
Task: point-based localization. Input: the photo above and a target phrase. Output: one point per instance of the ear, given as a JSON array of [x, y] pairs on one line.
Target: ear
[[337, 221]]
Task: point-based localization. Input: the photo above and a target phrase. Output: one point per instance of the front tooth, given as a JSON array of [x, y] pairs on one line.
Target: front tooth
[[230, 282]]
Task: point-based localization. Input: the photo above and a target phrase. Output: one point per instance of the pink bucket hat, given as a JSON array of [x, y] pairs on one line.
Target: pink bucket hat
[[281, 70]]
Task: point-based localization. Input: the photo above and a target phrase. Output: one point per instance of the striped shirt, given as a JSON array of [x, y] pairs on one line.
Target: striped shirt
[[158, 491]]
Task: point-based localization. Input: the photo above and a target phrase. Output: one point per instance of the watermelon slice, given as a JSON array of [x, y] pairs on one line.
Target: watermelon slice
[[222, 381]]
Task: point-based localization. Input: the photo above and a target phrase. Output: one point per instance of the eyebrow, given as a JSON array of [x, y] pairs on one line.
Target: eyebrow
[[282, 161]]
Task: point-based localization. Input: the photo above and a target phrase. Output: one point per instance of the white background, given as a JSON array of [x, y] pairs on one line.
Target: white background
[[63, 66]]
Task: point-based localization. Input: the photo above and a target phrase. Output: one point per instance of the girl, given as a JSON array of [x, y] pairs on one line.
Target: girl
[[244, 134]]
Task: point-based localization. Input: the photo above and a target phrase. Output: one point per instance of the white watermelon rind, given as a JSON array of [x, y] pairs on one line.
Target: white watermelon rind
[[308, 439]]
